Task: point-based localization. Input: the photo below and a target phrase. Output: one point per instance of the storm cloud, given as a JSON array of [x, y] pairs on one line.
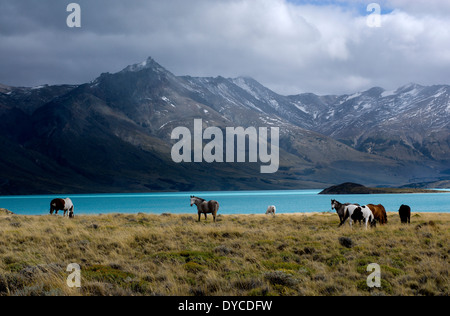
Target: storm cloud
[[289, 46]]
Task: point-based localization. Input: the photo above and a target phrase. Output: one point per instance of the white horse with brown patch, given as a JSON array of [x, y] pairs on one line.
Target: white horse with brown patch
[[271, 210], [65, 205]]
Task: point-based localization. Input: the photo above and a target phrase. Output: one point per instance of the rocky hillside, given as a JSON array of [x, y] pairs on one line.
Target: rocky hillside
[[113, 134]]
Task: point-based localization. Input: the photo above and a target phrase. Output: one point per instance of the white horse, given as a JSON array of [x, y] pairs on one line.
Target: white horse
[[271, 210]]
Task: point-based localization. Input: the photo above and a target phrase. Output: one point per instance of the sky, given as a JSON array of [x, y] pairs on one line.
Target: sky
[[290, 46]]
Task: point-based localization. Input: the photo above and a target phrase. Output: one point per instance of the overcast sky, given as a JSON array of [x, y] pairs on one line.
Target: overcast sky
[[290, 46]]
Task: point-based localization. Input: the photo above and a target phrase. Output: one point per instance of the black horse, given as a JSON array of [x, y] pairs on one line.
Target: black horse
[[405, 214]]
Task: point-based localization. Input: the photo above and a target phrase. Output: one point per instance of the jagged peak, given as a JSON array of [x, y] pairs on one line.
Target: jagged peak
[[149, 63]]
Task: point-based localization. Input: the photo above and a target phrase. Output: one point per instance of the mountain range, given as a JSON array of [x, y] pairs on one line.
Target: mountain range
[[114, 134]]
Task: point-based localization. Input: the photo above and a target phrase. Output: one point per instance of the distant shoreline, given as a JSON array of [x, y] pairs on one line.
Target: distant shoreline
[[358, 189], [194, 215]]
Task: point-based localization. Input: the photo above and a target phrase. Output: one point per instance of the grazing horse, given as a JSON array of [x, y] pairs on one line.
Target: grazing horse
[[379, 212], [363, 213], [271, 210], [65, 205], [204, 207], [355, 213], [340, 210], [348, 214], [405, 214]]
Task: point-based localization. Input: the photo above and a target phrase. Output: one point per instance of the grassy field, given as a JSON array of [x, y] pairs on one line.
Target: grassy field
[[250, 255]]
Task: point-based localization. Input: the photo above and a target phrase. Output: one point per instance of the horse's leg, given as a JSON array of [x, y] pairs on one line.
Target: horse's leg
[[344, 219], [199, 214], [206, 217], [341, 218]]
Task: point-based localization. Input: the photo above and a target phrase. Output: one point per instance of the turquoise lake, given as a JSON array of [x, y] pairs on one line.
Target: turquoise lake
[[243, 202]]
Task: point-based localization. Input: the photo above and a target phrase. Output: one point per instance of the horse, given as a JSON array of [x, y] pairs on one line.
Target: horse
[[271, 210], [204, 207], [405, 214], [65, 205], [348, 214], [340, 210], [363, 213], [379, 212], [359, 213]]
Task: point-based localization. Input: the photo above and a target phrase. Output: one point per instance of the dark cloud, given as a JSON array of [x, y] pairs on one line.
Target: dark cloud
[[289, 47]]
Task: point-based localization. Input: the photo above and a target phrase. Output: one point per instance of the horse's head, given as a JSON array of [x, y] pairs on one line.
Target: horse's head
[[334, 204], [196, 200], [193, 200]]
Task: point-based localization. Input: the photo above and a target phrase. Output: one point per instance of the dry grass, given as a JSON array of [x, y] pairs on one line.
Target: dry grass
[[238, 255]]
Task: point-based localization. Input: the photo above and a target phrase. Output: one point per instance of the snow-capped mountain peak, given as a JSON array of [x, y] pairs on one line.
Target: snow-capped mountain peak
[[149, 63]]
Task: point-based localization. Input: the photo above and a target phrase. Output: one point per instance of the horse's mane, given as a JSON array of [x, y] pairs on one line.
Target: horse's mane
[[195, 197]]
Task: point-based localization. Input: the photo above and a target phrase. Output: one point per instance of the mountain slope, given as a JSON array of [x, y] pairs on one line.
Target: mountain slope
[[409, 124], [114, 135]]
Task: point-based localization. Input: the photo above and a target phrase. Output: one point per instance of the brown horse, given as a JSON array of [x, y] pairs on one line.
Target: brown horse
[[379, 212], [204, 207], [65, 205]]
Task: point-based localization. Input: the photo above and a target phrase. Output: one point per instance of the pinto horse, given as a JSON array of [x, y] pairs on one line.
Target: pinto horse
[[379, 212], [340, 210], [364, 213], [355, 213], [65, 205], [204, 207]]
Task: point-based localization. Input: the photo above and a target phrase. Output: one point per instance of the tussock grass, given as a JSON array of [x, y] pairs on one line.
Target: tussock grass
[[245, 255]]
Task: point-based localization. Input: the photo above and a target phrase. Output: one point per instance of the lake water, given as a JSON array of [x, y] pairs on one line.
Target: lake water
[[243, 202]]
